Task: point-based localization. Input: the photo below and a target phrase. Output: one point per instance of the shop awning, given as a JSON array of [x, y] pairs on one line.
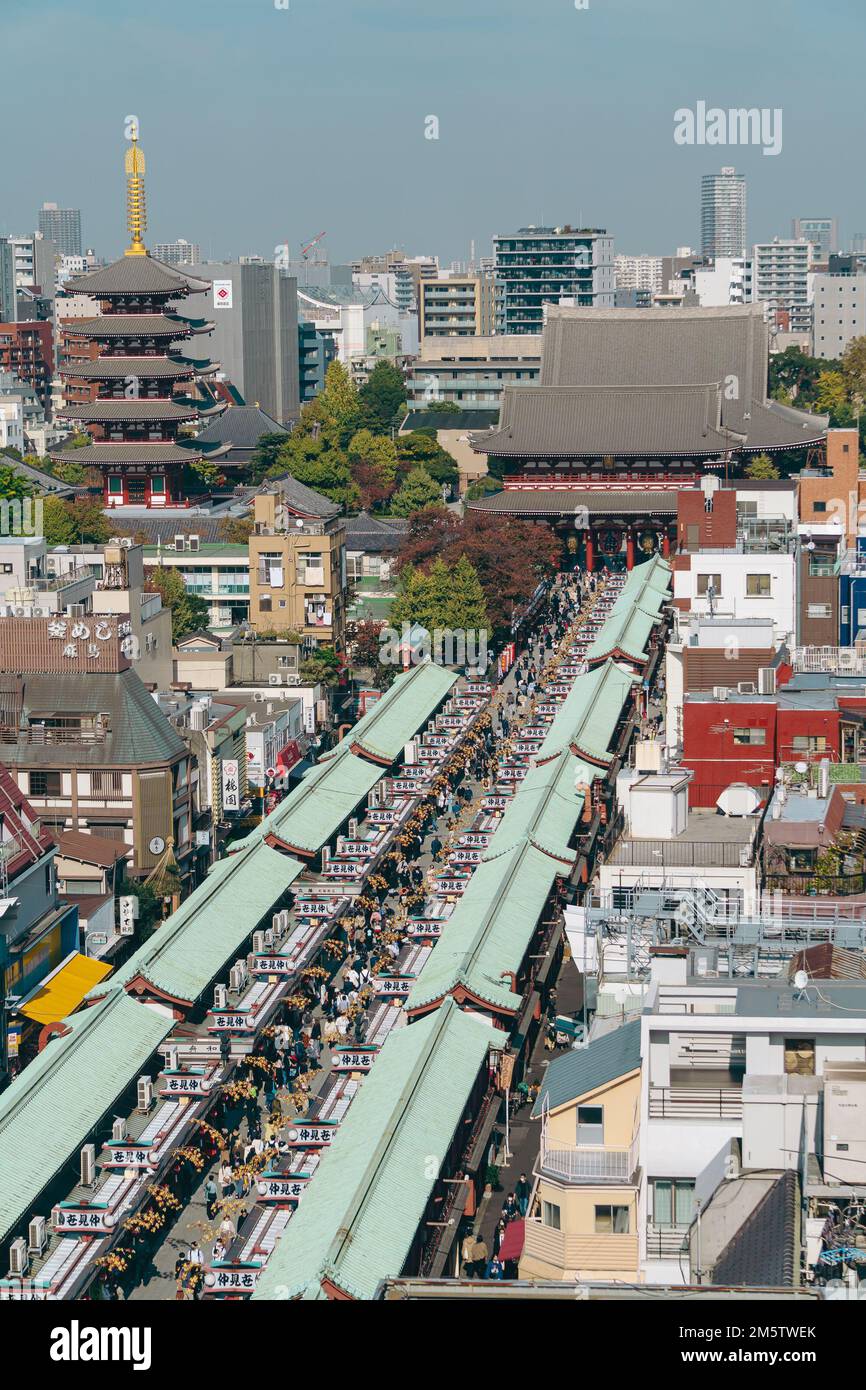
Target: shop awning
[[63, 991], [512, 1242]]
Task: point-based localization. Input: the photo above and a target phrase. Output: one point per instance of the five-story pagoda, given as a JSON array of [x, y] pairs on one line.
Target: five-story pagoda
[[126, 383]]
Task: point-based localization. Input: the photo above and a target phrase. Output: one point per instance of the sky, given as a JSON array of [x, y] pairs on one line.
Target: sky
[[263, 124]]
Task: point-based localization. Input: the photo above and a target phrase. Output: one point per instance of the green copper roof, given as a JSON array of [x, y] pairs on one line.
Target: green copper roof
[[626, 633], [357, 1221], [209, 928], [588, 716], [402, 710], [50, 1110]]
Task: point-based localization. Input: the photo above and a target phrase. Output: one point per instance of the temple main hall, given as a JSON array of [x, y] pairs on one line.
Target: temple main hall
[[632, 407]]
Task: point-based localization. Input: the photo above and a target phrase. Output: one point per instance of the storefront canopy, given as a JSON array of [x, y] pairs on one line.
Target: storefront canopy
[[62, 992]]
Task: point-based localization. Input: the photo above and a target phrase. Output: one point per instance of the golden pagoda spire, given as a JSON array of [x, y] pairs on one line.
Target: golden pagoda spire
[[136, 209]]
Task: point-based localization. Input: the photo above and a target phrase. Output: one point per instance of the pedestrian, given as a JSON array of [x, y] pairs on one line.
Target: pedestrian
[[521, 1192], [498, 1237], [227, 1231], [435, 846], [479, 1258], [467, 1255], [510, 1209], [226, 1182], [494, 1269], [210, 1197]]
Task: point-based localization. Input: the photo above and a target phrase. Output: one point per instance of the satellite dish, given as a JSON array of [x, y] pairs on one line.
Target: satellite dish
[[801, 767], [801, 980]]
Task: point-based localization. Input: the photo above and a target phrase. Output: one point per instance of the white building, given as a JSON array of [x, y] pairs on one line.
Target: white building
[[180, 252], [781, 282], [11, 424], [733, 584], [838, 312], [728, 281], [638, 272], [744, 1060]]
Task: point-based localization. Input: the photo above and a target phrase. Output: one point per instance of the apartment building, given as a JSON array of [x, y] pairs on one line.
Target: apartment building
[[457, 306], [838, 311], [781, 282], [536, 266], [298, 565], [473, 371]]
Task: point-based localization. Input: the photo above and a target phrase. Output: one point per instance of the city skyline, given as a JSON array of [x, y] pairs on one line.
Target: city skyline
[[248, 84]]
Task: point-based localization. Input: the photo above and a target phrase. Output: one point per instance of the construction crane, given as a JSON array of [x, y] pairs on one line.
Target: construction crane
[[310, 244]]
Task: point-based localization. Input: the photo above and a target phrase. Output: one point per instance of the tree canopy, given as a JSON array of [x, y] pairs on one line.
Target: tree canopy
[[418, 492], [188, 611]]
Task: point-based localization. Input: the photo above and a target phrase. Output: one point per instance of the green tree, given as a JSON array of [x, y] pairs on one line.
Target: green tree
[[418, 492], [382, 397], [265, 454], [443, 408], [854, 369], [12, 485], [832, 398], [58, 526], [188, 611], [482, 487], [446, 596], [421, 447], [234, 530], [761, 466], [321, 668], [89, 520], [72, 473], [467, 604], [373, 465]]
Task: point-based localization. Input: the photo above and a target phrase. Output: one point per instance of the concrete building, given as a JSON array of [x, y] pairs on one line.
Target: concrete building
[[27, 350], [216, 571], [822, 232], [255, 339], [62, 226], [298, 564], [536, 266], [781, 283], [457, 306], [345, 313], [838, 311], [7, 281], [723, 213], [474, 371]]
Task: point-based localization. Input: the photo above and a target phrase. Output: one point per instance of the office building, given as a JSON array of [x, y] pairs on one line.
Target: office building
[[728, 280], [7, 281], [254, 309], [180, 252], [838, 311], [472, 372], [537, 266], [822, 232], [638, 272], [62, 226], [723, 213]]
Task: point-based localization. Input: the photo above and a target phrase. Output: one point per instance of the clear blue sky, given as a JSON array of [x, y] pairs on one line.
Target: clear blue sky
[[260, 123]]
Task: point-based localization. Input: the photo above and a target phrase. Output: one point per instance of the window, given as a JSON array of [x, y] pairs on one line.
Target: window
[[106, 783], [819, 610], [115, 486], [819, 506], [799, 1056], [673, 1201], [704, 582], [611, 1221], [265, 603], [822, 564], [157, 484], [808, 743], [758, 585], [590, 1124], [46, 784], [693, 536], [551, 1216], [744, 736]]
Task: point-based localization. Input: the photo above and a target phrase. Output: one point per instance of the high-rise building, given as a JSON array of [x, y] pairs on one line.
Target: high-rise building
[[723, 213], [121, 367], [178, 252], [727, 281], [545, 265], [822, 232], [7, 281], [62, 226], [780, 277], [254, 309]]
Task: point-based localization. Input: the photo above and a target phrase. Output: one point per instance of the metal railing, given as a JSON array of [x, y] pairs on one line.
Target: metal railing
[[684, 1103], [666, 1240], [650, 854], [573, 1164], [810, 885]]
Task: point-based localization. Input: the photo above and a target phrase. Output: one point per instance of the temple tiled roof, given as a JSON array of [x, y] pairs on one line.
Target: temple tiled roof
[[114, 368], [136, 326], [135, 275], [128, 452], [545, 502], [98, 412]]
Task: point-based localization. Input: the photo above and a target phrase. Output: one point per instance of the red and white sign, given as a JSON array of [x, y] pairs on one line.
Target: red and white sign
[[222, 294]]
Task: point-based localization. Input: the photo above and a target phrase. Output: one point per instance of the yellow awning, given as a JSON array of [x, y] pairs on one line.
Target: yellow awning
[[66, 988]]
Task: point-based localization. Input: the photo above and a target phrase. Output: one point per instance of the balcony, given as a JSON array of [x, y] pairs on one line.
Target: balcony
[[581, 1254], [666, 1242], [701, 1104], [570, 1163]]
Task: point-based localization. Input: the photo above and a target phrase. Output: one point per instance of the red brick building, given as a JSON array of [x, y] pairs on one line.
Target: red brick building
[[27, 349]]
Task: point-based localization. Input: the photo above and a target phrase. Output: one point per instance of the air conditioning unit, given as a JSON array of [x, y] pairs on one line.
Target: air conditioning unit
[[281, 921], [180, 543], [353, 828], [746, 688], [258, 943], [88, 1165], [237, 975], [118, 1129], [145, 1095], [193, 542], [767, 680], [259, 696], [847, 659], [171, 1057], [720, 692], [269, 938], [293, 678], [19, 1260], [37, 1235], [275, 678], [127, 542], [220, 997]]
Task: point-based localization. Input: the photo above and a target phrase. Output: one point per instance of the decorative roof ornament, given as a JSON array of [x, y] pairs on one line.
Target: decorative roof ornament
[[136, 207]]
